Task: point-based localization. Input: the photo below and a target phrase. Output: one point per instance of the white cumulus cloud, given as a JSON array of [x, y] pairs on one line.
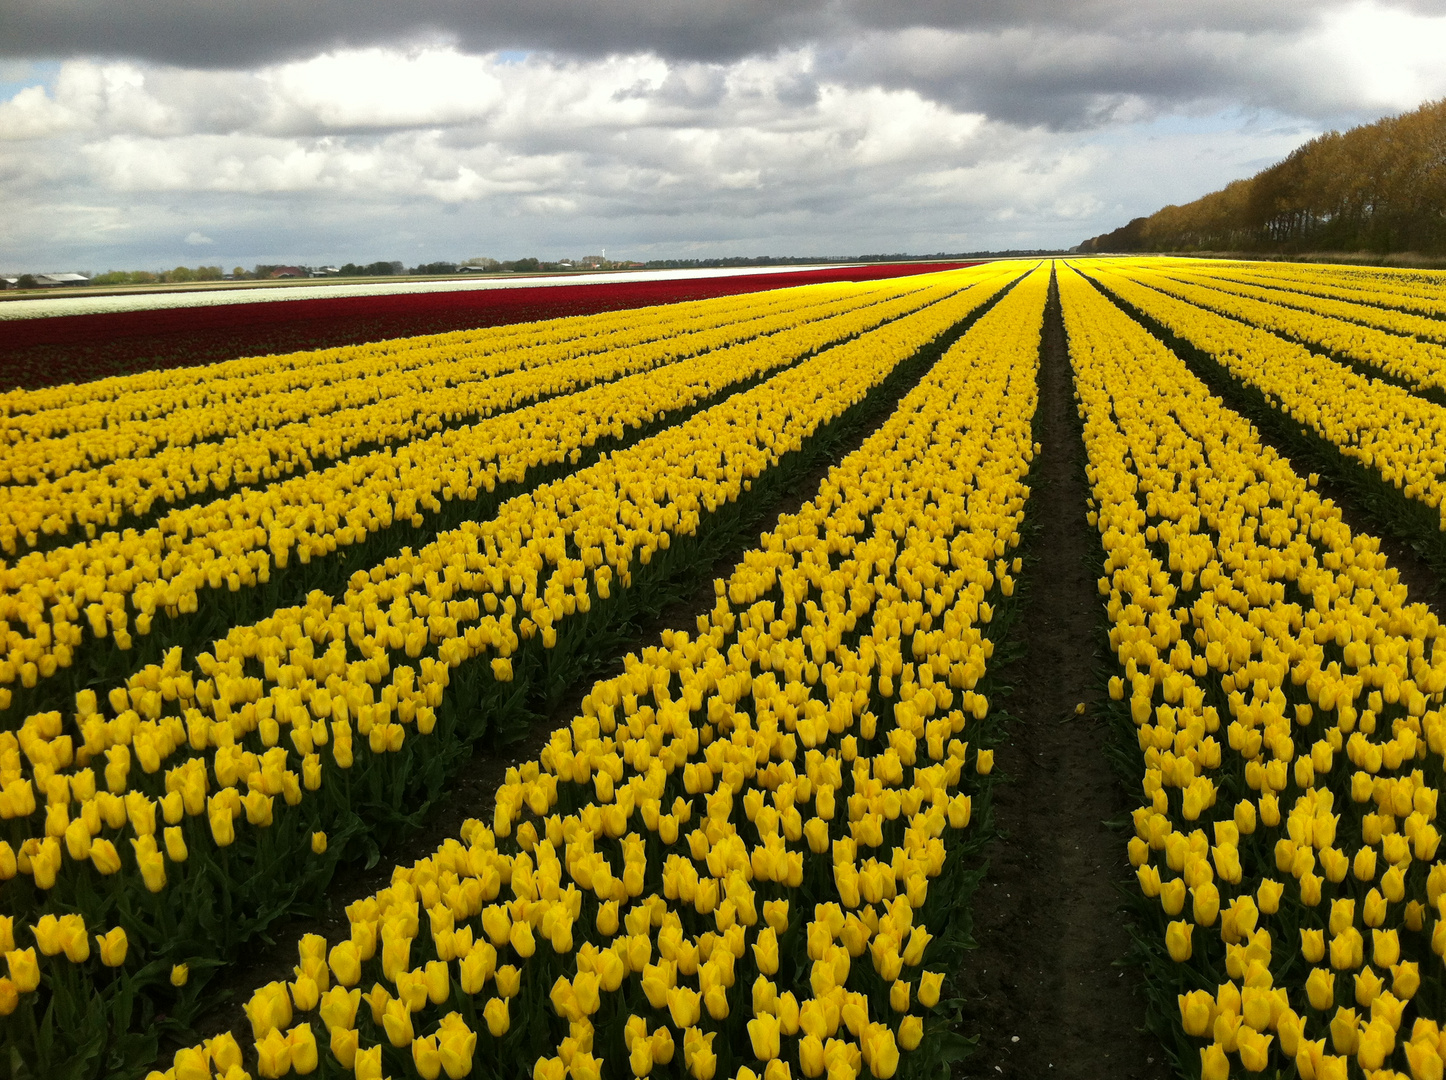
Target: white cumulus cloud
[[861, 126]]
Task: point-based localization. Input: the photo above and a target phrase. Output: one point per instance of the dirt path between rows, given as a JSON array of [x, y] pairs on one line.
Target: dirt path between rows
[[1044, 989]]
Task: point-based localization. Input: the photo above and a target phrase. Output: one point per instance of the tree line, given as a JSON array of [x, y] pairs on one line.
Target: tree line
[[1378, 188]]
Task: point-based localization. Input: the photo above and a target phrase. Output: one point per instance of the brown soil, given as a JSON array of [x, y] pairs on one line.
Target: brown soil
[[1044, 990]]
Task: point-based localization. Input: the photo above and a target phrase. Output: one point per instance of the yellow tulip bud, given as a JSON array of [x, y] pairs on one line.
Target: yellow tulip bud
[[397, 1022], [1405, 979], [1177, 940], [684, 1005], [497, 1016], [175, 844], [810, 1056], [764, 1035], [899, 996], [1320, 987], [1214, 1065], [1197, 1012], [104, 857], [521, 939], [113, 947], [273, 1055], [367, 1064], [191, 1063], [304, 1055], [911, 1032], [765, 951], [24, 969], [180, 974], [929, 985], [456, 1045], [426, 1057], [509, 981]]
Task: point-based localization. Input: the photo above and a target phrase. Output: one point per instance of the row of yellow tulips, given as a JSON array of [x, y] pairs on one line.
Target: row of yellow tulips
[[66, 599], [1399, 290], [86, 481], [1290, 873], [1358, 298], [728, 861], [286, 707], [1384, 428], [132, 401], [1348, 331]]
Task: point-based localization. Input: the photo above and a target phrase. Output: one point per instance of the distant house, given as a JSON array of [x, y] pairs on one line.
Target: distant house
[[472, 270], [323, 271], [51, 281], [9, 282], [287, 272]]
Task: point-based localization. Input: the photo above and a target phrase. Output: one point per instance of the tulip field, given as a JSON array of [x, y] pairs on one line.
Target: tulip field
[[263, 615]]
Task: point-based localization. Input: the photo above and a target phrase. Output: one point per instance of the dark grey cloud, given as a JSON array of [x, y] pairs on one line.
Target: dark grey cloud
[[226, 34], [1063, 80], [236, 34]]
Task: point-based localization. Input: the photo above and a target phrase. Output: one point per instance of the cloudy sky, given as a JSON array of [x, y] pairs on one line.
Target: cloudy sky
[[151, 133]]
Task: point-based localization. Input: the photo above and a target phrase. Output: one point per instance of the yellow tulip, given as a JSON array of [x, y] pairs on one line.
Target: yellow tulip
[[640, 1058], [456, 1045], [304, 1055], [344, 1044], [684, 1006], [1177, 940], [911, 1032], [397, 1022], [881, 1051], [1214, 1065], [521, 939], [426, 1058], [1345, 1031], [1405, 979], [113, 946], [764, 1035], [345, 963], [495, 1012], [1254, 1050], [24, 969], [765, 951], [339, 1007], [191, 1064], [367, 1064], [269, 1009], [104, 857], [509, 980], [1320, 988], [151, 862], [930, 983], [273, 1054], [1197, 1012]]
